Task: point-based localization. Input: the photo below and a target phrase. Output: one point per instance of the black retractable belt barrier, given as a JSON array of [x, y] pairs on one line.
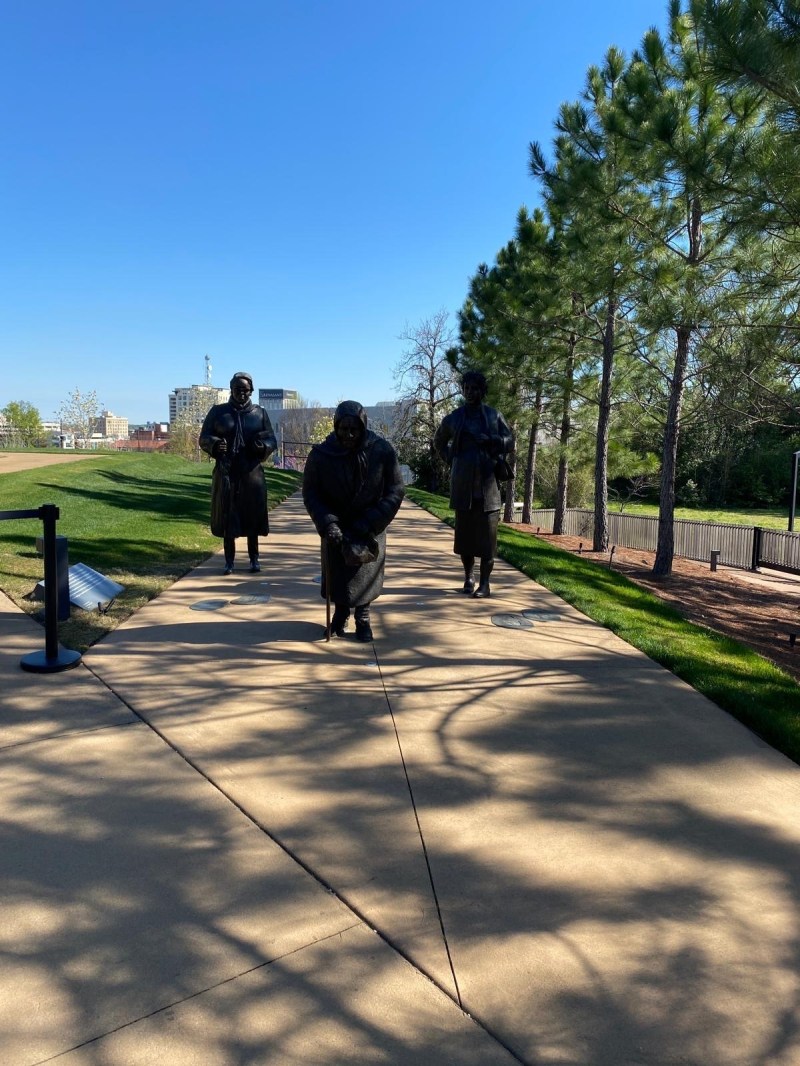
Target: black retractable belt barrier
[[54, 657]]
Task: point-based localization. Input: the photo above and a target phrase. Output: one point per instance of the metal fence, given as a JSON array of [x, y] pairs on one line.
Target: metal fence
[[779, 550], [745, 547]]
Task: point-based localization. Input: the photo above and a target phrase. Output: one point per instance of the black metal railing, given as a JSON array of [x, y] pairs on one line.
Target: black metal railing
[[743, 547]]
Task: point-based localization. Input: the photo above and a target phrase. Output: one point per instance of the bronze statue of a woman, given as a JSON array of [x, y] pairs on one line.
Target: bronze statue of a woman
[[471, 440], [238, 435], [352, 489]]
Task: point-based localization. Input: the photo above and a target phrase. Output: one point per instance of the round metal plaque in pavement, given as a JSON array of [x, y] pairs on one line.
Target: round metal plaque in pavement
[[208, 605], [251, 599], [540, 615], [511, 621]]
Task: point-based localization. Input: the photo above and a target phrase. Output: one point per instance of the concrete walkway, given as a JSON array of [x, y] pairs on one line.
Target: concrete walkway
[[226, 842]]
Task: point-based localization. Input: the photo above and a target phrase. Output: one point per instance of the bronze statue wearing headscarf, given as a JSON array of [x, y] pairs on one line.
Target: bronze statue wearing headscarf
[[352, 489], [238, 435]]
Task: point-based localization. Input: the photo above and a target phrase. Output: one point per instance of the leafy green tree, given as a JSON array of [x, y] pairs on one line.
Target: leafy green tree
[[593, 193], [747, 414], [755, 45], [687, 136], [24, 424]]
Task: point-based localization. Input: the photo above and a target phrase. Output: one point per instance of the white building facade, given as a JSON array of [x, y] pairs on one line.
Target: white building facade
[[196, 399], [110, 426]]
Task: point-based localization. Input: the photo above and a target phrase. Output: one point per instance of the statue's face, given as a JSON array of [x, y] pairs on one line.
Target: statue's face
[[472, 393], [348, 432], [241, 391]]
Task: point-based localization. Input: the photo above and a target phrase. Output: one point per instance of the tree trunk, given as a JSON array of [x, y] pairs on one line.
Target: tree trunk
[[600, 543], [530, 465], [665, 548], [566, 428], [511, 484], [433, 458]]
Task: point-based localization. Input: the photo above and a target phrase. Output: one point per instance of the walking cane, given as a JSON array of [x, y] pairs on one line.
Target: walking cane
[[325, 578]]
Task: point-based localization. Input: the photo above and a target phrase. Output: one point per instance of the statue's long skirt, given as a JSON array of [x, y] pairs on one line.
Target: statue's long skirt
[[352, 586], [476, 532]]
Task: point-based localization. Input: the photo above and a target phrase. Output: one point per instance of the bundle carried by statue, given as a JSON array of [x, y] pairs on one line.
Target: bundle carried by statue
[[358, 552]]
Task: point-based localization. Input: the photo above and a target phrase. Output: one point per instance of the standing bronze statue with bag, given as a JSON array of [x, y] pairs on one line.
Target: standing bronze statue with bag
[[475, 440]]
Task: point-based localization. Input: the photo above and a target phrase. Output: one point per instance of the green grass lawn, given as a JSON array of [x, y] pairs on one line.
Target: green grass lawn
[[139, 518], [768, 518], [736, 678]]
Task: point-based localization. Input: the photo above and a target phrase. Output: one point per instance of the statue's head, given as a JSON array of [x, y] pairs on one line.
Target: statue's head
[[473, 386], [241, 387], [350, 424]]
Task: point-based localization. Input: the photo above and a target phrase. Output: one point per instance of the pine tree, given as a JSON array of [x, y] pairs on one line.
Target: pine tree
[[593, 193], [687, 135]]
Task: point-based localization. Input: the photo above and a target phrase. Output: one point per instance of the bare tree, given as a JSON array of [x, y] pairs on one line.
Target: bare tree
[[297, 429], [78, 413], [184, 431], [428, 388]]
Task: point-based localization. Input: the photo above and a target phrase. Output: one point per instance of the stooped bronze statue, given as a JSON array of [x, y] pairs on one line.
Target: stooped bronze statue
[[238, 435], [474, 440], [352, 489]]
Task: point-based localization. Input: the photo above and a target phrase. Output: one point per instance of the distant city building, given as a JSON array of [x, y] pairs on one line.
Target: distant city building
[[152, 437], [110, 426], [381, 417], [196, 399], [278, 399], [56, 436]]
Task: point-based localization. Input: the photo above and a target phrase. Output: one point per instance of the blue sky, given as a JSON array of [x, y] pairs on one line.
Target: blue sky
[[285, 186]]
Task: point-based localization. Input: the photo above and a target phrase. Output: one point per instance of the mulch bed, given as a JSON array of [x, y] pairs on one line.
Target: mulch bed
[[758, 610]]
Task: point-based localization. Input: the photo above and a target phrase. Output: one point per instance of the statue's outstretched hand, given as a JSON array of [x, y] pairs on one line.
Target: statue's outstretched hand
[[333, 533]]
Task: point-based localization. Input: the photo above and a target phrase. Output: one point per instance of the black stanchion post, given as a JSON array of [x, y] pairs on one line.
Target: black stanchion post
[[54, 658], [62, 577], [49, 515]]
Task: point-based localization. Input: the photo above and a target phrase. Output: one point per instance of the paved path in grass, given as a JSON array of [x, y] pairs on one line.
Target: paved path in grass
[[226, 841], [10, 462]]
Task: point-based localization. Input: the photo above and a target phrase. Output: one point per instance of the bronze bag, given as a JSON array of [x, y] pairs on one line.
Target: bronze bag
[[502, 469], [356, 554]]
